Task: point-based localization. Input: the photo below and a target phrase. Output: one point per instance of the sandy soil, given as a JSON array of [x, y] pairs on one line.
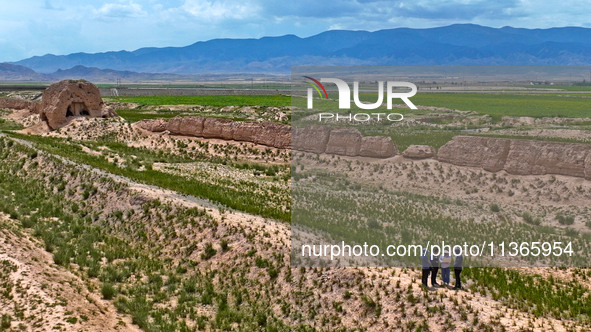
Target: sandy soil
[[542, 195], [49, 295], [41, 296], [483, 306]]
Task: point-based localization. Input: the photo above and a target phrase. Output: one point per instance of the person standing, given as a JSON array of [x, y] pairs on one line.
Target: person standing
[[458, 265], [434, 267], [445, 262], [425, 267]]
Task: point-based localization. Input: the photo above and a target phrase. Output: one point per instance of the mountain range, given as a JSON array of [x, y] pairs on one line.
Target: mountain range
[[459, 44], [11, 72]]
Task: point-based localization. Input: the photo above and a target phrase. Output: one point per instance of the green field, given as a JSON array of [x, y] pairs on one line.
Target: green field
[[204, 85], [561, 87], [210, 100], [498, 105], [154, 107], [134, 115], [495, 104]]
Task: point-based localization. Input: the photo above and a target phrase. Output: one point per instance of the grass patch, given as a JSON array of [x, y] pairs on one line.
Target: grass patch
[[113, 253], [403, 137], [9, 125], [536, 138], [533, 293], [134, 115], [236, 197]]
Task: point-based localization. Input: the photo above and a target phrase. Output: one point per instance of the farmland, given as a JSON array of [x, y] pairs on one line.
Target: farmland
[[230, 100], [498, 105], [442, 115], [235, 107]]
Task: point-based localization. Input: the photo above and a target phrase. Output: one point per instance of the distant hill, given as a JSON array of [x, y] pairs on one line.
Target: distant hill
[[103, 75], [10, 72], [460, 44]]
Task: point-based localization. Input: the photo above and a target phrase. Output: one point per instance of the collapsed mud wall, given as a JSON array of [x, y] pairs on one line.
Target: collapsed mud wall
[[317, 139], [515, 156], [19, 104], [342, 141], [518, 156], [265, 133]]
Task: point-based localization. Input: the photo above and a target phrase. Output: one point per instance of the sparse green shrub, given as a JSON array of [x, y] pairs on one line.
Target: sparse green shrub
[[571, 232], [208, 252], [368, 301], [62, 257], [5, 322], [72, 320], [495, 208], [224, 245], [108, 291], [261, 262], [530, 219], [273, 272], [565, 219]]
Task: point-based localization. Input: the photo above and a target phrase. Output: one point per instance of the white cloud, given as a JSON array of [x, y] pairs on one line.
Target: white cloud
[[120, 10], [212, 10]]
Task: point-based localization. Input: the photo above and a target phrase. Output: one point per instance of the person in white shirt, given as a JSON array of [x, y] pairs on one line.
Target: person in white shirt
[[445, 262]]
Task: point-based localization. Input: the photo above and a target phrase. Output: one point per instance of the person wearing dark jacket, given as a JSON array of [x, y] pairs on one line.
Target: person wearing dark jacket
[[426, 267], [458, 265], [434, 267]]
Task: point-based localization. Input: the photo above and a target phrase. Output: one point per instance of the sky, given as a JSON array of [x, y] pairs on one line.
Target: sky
[[38, 27]]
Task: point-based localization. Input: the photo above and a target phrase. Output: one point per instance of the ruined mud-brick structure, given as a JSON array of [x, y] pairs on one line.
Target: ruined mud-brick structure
[[63, 100], [264, 133], [72, 98], [19, 104]]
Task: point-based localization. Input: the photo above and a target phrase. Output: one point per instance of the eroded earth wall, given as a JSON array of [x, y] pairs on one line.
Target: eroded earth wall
[[515, 156], [317, 139], [518, 156]]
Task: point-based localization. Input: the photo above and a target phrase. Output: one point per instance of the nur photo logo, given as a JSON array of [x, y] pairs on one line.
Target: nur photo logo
[[344, 92]]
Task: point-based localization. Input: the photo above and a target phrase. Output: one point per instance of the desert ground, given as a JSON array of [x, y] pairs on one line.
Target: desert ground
[[107, 226]]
